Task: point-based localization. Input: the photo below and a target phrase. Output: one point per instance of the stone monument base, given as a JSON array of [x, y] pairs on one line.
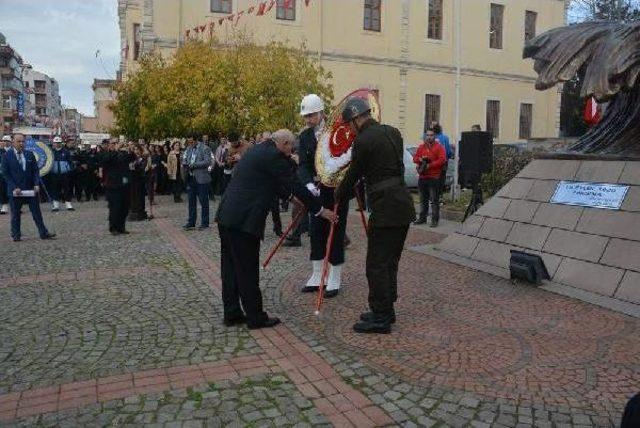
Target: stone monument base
[[591, 254]]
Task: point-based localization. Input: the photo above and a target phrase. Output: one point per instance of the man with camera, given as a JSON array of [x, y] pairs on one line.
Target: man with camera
[[430, 158]]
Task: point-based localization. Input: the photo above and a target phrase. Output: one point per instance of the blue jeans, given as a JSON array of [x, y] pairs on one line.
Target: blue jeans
[[34, 206], [200, 191]]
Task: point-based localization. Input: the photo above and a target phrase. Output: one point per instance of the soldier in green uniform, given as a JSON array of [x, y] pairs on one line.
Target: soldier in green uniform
[[377, 156]]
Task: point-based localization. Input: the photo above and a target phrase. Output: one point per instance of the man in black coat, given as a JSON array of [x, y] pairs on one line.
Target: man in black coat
[[115, 165], [377, 156], [263, 173], [312, 110]]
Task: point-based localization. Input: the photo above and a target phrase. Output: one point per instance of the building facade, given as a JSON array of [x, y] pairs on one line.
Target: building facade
[[104, 96], [12, 91], [453, 61], [43, 94]]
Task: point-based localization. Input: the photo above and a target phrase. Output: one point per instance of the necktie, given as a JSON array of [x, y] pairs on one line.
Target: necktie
[[21, 160]]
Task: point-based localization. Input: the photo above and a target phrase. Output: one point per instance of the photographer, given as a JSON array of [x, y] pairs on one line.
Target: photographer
[[430, 157]]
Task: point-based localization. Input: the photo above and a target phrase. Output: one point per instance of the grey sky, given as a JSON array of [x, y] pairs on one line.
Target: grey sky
[[61, 37]]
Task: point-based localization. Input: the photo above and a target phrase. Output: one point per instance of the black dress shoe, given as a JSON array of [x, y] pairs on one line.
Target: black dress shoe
[[369, 316], [49, 236], [188, 227], [379, 325], [17, 239], [3, 213], [266, 323], [114, 232], [203, 227], [309, 289], [292, 243], [230, 322], [420, 221], [123, 232], [434, 224], [278, 233], [328, 294]]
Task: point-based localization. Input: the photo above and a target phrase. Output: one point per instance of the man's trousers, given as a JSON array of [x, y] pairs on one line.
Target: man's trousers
[[15, 204], [320, 228], [61, 187], [118, 200], [240, 259], [384, 249]]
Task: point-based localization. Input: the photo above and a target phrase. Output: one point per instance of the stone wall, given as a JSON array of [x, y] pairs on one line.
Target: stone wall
[[595, 250]]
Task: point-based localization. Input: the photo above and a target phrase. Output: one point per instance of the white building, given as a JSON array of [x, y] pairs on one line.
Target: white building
[[44, 96]]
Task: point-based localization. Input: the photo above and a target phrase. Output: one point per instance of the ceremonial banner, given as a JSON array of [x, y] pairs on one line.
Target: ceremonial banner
[[333, 155], [43, 155]]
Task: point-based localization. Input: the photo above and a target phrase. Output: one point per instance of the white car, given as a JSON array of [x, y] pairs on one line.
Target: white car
[[410, 173]]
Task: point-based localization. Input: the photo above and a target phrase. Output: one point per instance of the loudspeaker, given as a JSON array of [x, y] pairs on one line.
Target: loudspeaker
[[476, 156]]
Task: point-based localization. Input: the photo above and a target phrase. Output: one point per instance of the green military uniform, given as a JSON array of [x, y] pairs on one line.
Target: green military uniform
[[377, 156]]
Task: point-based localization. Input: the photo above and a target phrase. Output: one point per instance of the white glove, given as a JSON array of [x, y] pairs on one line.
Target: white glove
[[313, 189]]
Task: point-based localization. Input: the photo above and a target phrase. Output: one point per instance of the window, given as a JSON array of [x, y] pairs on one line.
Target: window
[[530, 19], [40, 85], [372, 14], [221, 6], [41, 100], [41, 111], [435, 20], [286, 9], [526, 117], [26, 84], [136, 41], [6, 101], [431, 110], [495, 31], [493, 118]]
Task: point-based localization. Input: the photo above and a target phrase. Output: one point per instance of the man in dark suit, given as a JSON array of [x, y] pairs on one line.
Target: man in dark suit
[[20, 170], [115, 166], [263, 173]]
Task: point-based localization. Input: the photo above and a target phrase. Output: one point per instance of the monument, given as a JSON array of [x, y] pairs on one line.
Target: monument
[[579, 210]]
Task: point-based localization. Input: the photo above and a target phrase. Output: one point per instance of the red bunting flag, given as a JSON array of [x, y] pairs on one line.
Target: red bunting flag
[[211, 25], [238, 15], [230, 17], [202, 28], [261, 8], [271, 3], [187, 33], [221, 21], [306, 2], [251, 9]]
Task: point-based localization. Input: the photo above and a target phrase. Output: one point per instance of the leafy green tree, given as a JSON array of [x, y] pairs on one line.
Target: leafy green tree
[[214, 87]]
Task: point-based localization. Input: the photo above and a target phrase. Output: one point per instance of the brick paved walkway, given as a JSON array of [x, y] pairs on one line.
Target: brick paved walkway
[[100, 330]]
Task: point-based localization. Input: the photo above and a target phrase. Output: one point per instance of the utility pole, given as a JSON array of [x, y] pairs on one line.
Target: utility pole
[[455, 188]]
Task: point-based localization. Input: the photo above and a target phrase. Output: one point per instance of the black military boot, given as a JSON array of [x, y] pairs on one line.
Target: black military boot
[[379, 323], [368, 316]]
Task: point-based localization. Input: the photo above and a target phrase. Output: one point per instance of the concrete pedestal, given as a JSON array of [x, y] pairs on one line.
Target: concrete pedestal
[[588, 252]]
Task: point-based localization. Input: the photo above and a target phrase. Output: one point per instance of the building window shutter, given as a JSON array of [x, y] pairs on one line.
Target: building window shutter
[[431, 110], [526, 119], [286, 10], [530, 19], [493, 118], [435, 20], [221, 6], [372, 15], [495, 32]]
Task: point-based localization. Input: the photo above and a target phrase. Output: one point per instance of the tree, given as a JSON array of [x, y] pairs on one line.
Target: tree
[[571, 116], [214, 87]]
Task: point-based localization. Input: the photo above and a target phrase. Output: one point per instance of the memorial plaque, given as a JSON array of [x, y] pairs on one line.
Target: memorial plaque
[[594, 195]]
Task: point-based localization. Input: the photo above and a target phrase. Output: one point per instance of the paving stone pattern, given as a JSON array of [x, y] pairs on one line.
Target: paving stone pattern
[[137, 340]]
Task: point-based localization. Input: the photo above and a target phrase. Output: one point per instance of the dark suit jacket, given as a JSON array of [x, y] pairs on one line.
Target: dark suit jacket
[[115, 166], [262, 174], [307, 155], [15, 176]]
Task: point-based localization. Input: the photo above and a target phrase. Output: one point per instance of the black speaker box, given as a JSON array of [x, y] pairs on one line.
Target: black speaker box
[[476, 156]]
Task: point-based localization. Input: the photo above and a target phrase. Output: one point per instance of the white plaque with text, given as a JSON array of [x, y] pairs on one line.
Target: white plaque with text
[[594, 195]]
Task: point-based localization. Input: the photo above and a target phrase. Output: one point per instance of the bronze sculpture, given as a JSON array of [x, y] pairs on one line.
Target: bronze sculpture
[[608, 53]]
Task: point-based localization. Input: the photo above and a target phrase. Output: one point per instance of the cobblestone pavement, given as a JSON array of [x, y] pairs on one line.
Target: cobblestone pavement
[[98, 330]]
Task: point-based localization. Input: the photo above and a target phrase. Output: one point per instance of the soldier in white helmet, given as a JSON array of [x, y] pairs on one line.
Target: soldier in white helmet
[[61, 175], [312, 110], [4, 198]]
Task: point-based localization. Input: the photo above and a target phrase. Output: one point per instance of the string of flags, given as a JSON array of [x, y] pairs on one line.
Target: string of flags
[[261, 9]]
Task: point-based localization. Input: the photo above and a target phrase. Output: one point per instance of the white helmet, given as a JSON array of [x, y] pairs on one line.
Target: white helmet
[[311, 104], [6, 138], [57, 140]]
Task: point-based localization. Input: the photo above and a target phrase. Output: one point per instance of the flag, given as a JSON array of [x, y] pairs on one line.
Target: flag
[[261, 8], [230, 17], [187, 33], [196, 30], [251, 9], [238, 15], [221, 21], [592, 112], [306, 2], [271, 3], [211, 25], [202, 28]]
